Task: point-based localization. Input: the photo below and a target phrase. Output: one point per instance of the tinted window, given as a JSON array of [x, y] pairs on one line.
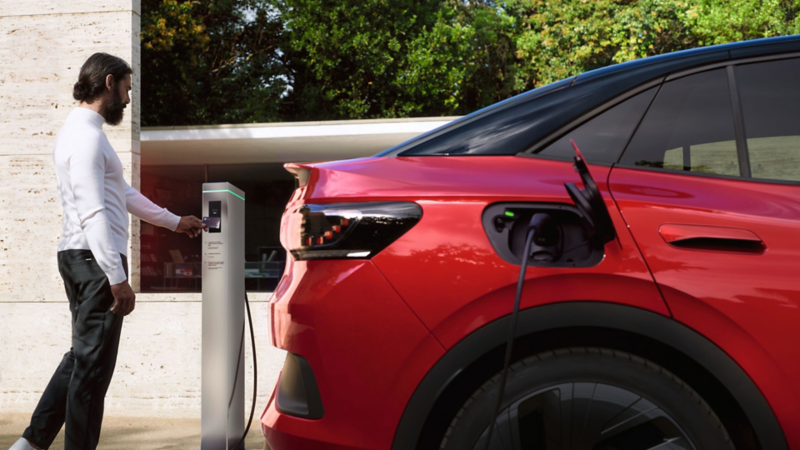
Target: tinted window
[[689, 127], [495, 130], [603, 138], [770, 98]]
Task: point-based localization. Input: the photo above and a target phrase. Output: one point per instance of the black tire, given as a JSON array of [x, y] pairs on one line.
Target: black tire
[[588, 399]]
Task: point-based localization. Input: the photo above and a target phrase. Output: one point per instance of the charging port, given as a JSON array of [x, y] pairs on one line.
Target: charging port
[[561, 242]]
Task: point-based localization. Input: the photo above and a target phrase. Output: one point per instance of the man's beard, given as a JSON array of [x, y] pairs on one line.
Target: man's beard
[[115, 108]]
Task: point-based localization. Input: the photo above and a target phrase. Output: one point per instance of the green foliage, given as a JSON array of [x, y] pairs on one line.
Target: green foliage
[[210, 62], [223, 61], [652, 27], [463, 62], [561, 38], [346, 55], [381, 58], [494, 72], [435, 67], [721, 21]]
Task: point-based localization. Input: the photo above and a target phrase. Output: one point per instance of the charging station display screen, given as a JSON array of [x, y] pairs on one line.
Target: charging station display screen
[[214, 219]]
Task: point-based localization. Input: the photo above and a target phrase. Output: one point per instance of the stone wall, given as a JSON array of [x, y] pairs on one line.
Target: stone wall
[[42, 47], [158, 368]]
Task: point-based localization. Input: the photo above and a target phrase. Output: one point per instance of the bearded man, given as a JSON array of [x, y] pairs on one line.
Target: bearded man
[[92, 256]]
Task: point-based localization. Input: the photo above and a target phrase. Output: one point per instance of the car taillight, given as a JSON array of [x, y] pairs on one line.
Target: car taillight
[[346, 230]]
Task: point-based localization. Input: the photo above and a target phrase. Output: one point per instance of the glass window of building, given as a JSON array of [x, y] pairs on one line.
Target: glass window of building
[[171, 262]]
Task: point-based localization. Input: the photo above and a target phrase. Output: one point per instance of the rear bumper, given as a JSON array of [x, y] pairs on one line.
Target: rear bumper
[[366, 348], [286, 432]]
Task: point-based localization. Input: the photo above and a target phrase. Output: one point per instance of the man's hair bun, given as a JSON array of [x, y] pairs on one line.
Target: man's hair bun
[[80, 91], [92, 78]]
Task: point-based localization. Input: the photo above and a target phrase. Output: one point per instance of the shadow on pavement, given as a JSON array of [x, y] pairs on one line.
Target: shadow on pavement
[[129, 433]]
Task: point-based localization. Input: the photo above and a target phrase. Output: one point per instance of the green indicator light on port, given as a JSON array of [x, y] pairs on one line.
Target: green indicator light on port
[[509, 214]]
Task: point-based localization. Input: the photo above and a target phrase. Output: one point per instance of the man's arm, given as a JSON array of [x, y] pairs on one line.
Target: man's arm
[[141, 207]]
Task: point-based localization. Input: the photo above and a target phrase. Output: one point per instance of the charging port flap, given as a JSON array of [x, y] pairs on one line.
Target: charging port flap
[[593, 209]]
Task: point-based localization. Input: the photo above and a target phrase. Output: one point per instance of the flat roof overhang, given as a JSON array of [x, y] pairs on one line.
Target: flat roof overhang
[[278, 142]]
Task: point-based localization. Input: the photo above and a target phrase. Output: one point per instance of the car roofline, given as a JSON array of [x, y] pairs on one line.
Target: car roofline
[[640, 70]]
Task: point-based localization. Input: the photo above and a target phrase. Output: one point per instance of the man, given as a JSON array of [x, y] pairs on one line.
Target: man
[[91, 256]]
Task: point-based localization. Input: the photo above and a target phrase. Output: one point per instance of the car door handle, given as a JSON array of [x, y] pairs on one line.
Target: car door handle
[[711, 238]]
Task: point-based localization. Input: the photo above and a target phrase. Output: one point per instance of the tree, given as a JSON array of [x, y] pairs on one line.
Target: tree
[[344, 56], [434, 70], [721, 21], [562, 38], [210, 62], [381, 58], [464, 61], [653, 27], [226, 61]]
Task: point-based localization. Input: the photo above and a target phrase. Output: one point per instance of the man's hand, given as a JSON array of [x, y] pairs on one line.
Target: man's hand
[[124, 298], [191, 225]]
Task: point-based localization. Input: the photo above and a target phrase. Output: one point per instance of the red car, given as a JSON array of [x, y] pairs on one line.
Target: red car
[[664, 313]]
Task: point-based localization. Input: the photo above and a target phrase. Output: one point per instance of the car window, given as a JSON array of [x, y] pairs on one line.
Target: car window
[[504, 128], [689, 127], [603, 138], [718, 158], [770, 100]]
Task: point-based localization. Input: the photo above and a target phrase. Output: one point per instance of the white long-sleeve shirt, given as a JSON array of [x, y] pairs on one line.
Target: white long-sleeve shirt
[[95, 196]]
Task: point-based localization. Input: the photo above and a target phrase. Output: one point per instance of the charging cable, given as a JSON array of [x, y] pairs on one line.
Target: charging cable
[[240, 445], [538, 223]]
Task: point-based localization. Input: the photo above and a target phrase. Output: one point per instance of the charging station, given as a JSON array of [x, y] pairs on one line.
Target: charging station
[[223, 317]]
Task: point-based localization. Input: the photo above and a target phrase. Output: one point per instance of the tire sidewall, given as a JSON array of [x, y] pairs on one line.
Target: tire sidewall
[[613, 368]]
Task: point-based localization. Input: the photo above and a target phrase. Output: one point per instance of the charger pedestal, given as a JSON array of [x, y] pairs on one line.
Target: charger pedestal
[[223, 318]]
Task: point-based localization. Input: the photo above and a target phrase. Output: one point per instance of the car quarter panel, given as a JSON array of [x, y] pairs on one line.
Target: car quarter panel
[[445, 267], [360, 339]]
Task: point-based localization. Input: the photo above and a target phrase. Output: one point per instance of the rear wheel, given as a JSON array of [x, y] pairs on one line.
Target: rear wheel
[[588, 399]]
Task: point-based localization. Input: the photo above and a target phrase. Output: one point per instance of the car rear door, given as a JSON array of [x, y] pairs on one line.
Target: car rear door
[[709, 186]]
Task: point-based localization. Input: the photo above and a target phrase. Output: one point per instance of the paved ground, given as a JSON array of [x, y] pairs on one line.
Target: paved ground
[[131, 433]]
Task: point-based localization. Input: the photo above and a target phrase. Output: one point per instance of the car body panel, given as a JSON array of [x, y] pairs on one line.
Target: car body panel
[[448, 271], [359, 338], [748, 303]]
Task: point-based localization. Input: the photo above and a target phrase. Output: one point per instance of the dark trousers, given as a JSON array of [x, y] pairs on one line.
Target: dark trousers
[[76, 393]]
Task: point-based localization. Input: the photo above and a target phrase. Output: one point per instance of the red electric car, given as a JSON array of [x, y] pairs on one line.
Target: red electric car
[[677, 326]]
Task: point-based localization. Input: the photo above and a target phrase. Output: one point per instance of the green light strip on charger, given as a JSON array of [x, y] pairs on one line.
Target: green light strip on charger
[[225, 190]]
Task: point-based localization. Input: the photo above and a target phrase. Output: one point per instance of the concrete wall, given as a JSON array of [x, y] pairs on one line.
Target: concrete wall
[[42, 47]]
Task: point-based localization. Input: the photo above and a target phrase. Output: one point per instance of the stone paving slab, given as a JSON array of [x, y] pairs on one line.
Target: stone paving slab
[[132, 433]]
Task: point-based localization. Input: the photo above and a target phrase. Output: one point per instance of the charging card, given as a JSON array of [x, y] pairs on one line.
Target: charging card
[[213, 223]]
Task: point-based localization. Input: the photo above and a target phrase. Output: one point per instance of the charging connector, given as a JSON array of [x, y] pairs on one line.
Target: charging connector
[[240, 445], [543, 230], [548, 241]]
